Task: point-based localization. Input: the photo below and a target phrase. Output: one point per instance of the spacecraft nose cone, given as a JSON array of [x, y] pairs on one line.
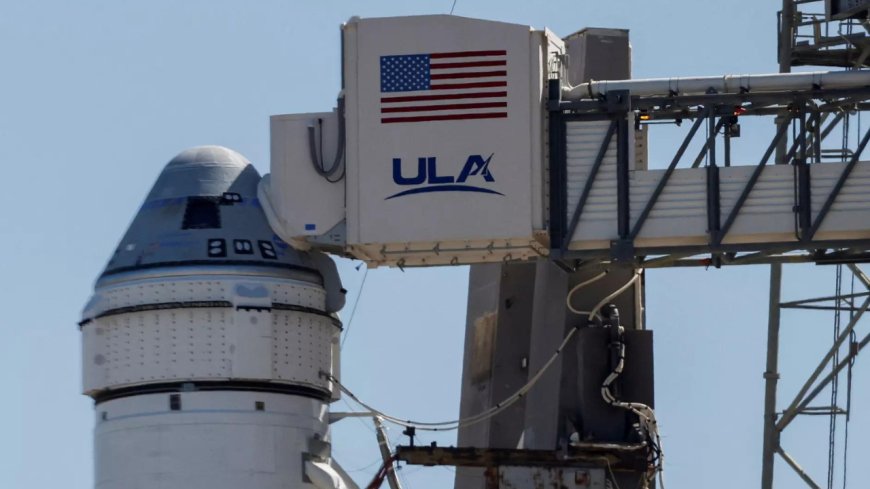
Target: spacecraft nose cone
[[203, 211], [209, 155], [203, 171]]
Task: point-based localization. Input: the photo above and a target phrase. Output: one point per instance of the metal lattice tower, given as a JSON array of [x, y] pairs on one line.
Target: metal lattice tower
[[833, 33]]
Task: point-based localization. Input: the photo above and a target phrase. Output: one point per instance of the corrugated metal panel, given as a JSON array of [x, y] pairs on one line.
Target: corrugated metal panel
[[682, 205], [849, 217], [679, 216], [584, 141], [768, 212]]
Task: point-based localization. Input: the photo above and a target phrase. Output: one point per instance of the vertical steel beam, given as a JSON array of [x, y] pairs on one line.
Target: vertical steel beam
[[727, 145], [623, 99], [753, 179], [771, 377], [784, 52], [804, 203], [709, 142], [714, 130], [786, 35], [558, 170], [660, 187], [714, 213]]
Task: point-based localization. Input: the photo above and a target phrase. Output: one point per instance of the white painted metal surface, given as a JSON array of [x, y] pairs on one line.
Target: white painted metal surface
[[215, 440], [427, 186], [723, 84], [378, 212], [680, 214], [445, 131], [245, 339], [583, 143], [212, 326], [208, 344], [293, 172]]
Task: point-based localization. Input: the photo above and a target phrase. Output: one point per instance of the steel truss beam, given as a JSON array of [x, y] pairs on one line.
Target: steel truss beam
[[806, 109], [807, 37], [774, 422]]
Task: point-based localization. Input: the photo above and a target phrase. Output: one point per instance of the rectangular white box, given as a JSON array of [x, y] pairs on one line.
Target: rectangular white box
[[444, 135], [303, 202]]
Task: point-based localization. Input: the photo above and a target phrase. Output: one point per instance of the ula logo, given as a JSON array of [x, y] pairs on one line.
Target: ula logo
[[429, 180]]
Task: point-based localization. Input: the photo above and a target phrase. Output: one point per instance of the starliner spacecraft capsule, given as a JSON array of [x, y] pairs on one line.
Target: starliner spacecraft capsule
[[207, 341]]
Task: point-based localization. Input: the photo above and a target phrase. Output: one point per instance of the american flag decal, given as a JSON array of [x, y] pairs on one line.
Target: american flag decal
[[444, 86]]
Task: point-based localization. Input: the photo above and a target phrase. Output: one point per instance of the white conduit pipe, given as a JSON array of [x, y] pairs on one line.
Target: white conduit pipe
[[595, 310], [772, 82]]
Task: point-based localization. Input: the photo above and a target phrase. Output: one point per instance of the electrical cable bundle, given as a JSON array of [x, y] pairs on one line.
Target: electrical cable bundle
[[510, 400], [646, 415]]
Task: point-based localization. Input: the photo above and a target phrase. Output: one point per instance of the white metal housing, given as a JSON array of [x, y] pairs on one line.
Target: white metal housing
[[443, 165], [236, 334], [428, 185], [292, 169], [215, 440]]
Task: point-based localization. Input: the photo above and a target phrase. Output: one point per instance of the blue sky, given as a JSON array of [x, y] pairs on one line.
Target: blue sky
[[96, 96]]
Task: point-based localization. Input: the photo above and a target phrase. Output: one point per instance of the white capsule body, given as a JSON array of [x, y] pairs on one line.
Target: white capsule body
[[252, 350], [208, 343], [209, 325], [216, 440]]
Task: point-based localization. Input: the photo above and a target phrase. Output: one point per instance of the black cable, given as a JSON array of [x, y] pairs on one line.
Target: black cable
[[339, 154], [353, 311], [339, 177], [852, 338], [832, 422]]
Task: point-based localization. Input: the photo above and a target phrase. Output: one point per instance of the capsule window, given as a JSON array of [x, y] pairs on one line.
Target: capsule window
[[243, 247], [202, 213], [175, 402], [267, 249]]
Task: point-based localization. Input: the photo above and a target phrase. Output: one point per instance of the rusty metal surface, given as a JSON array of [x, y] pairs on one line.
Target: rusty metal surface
[[620, 457], [546, 478]]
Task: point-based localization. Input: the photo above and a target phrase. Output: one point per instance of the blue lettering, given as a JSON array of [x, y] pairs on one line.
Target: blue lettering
[[433, 174], [427, 173], [474, 165], [421, 172]]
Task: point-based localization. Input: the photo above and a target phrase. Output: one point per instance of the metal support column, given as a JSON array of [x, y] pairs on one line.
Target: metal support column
[[774, 422], [784, 54], [771, 376]]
